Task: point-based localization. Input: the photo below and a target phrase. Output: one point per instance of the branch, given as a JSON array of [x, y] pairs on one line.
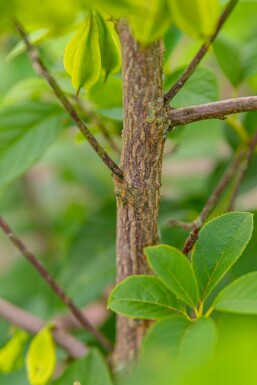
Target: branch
[[219, 189], [243, 170], [215, 110], [32, 324], [200, 54], [40, 68], [54, 285]]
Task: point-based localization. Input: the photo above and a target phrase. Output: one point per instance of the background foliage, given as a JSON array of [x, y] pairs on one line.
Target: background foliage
[[59, 196]]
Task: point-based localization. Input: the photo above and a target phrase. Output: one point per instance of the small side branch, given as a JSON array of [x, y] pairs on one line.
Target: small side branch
[[41, 69], [215, 110], [219, 189], [200, 54], [100, 125], [243, 170], [31, 324], [54, 285]]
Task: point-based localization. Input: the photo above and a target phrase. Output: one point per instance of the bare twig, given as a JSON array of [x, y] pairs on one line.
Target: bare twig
[[100, 125], [28, 322], [219, 189], [54, 285], [200, 54], [243, 169], [215, 110], [183, 225], [41, 69]]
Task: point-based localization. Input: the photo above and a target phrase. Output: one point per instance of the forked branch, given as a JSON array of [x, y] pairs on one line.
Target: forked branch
[[201, 53], [41, 69]]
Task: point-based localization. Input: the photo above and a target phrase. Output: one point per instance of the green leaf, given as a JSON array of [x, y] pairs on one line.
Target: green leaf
[[181, 338], [175, 270], [197, 18], [228, 54], [41, 359], [109, 44], [82, 57], [143, 297], [221, 242], [11, 353], [26, 132], [202, 87], [240, 296], [89, 370], [149, 20]]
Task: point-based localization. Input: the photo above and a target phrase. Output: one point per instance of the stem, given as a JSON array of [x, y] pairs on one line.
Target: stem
[[201, 53], [54, 285], [138, 197], [41, 69]]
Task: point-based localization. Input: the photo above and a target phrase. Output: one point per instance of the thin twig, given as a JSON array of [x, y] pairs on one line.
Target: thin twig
[[217, 192], [54, 285], [41, 69], [31, 324], [100, 125], [183, 225], [200, 54], [242, 171], [214, 110]]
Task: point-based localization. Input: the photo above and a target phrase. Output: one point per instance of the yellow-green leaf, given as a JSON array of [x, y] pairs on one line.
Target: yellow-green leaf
[[197, 18], [109, 44], [10, 354], [82, 58], [149, 20], [41, 359]]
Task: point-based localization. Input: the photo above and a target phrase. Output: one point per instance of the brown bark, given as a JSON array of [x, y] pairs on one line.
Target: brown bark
[[138, 195]]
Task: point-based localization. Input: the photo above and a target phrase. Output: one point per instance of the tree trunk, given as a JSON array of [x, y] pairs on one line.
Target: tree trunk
[[138, 196]]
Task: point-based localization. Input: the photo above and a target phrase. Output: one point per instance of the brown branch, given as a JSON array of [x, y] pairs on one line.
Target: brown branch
[[215, 110], [243, 169], [201, 53], [217, 192], [31, 324], [41, 69], [54, 285]]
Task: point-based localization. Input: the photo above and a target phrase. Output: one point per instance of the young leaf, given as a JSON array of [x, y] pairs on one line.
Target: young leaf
[[109, 44], [196, 18], [10, 354], [82, 58], [175, 270], [145, 297], [182, 338], [89, 370], [221, 242], [240, 296], [41, 359]]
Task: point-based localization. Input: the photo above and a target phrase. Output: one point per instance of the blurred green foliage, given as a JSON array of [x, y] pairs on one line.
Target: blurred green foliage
[[59, 196]]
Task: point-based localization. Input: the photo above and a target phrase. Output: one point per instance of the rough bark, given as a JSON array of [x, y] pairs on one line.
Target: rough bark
[[138, 195]]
